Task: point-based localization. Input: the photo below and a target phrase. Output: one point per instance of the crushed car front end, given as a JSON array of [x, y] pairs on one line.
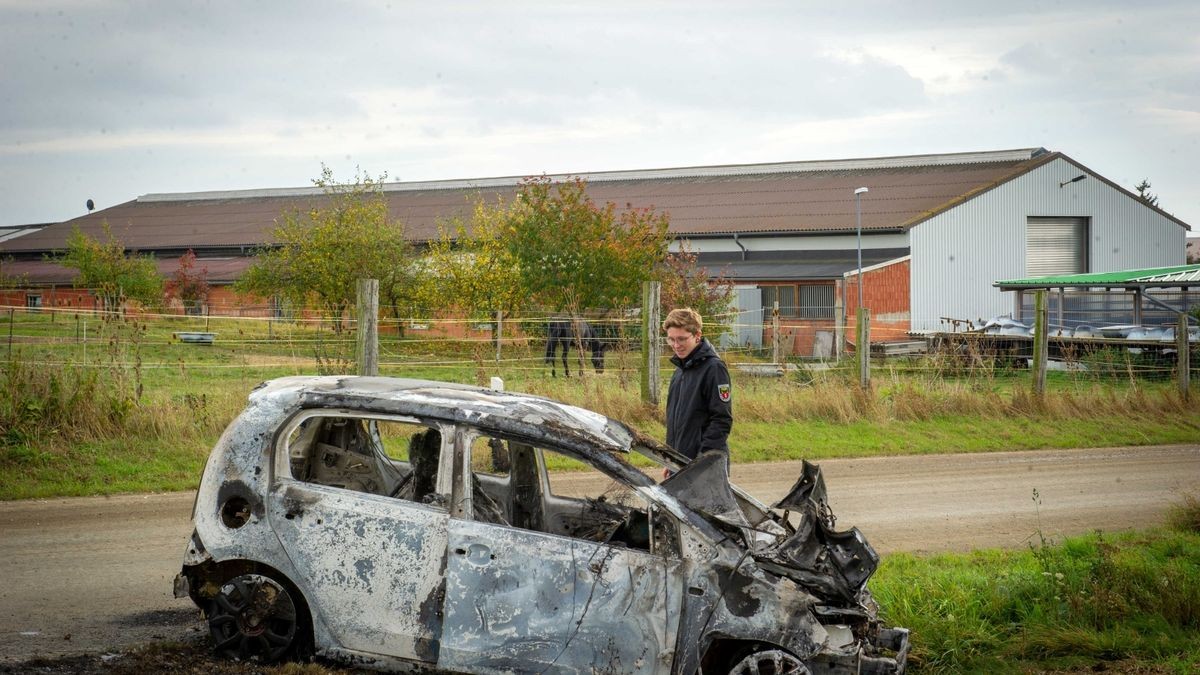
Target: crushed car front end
[[784, 591]]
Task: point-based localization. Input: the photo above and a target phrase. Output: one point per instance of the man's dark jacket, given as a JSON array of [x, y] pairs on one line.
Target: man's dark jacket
[[699, 403]]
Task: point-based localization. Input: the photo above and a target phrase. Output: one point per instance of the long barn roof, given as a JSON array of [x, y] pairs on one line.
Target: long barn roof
[[748, 199]]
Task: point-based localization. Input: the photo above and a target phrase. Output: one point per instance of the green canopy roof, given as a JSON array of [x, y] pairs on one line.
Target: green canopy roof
[[1180, 275]]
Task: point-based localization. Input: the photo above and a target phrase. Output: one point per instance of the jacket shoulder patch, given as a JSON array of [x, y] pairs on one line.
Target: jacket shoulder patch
[[725, 392]]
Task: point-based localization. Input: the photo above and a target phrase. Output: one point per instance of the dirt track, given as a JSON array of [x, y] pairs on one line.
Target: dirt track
[[92, 574]]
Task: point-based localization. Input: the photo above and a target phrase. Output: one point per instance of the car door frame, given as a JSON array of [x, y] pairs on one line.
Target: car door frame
[[520, 600], [369, 565]]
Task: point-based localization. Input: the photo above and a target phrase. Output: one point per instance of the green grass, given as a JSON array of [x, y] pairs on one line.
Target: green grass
[[100, 467], [134, 410], [1132, 600]]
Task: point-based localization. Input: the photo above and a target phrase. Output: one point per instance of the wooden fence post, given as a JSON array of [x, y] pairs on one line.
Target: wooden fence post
[[368, 327], [499, 333], [839, 321], [1184, 356], [776, 340], [651, 291], [863, 347], [1041, 341]]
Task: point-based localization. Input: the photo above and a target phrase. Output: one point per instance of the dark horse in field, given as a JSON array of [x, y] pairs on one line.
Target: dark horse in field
[[562, 333]]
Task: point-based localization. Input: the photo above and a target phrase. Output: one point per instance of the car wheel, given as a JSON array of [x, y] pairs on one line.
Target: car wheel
[[254, 617], [769, 662]]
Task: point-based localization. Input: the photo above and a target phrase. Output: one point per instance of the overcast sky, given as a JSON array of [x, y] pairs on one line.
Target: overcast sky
[[111, 100]]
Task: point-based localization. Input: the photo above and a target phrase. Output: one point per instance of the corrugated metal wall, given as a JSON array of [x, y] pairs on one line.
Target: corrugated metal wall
[[959, 254]]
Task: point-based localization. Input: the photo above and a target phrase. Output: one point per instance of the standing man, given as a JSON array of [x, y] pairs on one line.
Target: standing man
[[700, 398]]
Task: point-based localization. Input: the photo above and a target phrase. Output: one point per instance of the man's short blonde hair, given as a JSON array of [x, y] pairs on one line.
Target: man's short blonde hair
[[686, 318]]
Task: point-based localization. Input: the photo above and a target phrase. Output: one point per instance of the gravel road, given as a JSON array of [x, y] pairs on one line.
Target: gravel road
[[93, 574]]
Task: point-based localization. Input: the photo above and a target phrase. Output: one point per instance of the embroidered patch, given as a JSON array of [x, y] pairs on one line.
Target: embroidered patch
[[723, 390]]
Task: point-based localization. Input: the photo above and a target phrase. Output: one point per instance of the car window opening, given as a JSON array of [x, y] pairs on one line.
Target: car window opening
[[509, 483]]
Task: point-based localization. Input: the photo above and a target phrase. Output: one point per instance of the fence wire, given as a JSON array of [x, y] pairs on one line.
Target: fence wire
[[241, 338]]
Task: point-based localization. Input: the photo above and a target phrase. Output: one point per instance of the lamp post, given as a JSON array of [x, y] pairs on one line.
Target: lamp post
[[858, 220]]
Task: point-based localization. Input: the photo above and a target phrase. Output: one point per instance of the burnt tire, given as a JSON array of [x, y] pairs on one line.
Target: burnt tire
[[769, 662], [254, 617]]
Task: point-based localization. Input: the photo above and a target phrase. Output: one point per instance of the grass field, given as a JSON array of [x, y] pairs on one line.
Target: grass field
[[130, 409]]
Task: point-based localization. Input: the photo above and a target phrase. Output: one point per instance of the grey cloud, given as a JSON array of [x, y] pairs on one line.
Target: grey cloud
[[463, 77], [157, 65]]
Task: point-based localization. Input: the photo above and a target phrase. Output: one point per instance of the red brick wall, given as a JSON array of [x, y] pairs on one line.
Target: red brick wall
[[886, 292], [58, 298]]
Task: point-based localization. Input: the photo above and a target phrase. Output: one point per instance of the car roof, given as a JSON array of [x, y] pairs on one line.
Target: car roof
[[500, 411]]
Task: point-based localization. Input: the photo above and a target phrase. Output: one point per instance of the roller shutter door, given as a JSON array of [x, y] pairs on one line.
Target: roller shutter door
[[1055, 246]]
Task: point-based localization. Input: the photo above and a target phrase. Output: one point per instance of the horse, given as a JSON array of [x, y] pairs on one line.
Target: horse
[[562, 332]]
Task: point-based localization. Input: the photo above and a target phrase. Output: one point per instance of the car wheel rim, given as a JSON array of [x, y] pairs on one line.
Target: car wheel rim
[[769, 662], [252, 617]]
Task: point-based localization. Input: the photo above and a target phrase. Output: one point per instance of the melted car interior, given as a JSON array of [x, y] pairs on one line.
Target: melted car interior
[[409, 460]]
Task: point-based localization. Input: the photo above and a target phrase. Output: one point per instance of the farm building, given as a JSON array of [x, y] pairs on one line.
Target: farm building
[[936, 232]]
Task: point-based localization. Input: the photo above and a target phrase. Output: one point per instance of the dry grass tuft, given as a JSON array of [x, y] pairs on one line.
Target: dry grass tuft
[[1185, 516]]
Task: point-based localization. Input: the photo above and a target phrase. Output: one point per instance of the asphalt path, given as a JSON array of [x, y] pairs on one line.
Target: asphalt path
[[92, 574]]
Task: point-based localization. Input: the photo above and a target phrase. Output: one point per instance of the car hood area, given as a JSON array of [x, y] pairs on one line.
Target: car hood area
[[802, 561]]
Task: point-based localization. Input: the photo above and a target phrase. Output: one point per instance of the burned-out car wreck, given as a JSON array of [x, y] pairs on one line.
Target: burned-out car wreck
[[413, 525]]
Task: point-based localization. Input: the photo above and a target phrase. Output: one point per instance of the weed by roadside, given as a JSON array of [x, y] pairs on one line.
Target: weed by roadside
[[1086, 603], [1185, 515]]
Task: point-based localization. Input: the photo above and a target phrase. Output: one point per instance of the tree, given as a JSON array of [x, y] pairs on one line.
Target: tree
[[321, 252], [686, 284], [1144, 193], [573, 255], [469, 267], [112, 275], [189, 284]]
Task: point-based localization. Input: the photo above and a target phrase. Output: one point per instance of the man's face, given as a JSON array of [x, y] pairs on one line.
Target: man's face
[[682, 342]]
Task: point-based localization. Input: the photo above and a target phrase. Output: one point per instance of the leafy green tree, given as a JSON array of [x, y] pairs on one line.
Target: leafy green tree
[[320, 253], [575, 256], [1144, 194], [113, 275], [469, 268], [686, 284]]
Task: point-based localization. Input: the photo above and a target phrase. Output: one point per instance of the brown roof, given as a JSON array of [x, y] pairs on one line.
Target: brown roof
[[797, 197]]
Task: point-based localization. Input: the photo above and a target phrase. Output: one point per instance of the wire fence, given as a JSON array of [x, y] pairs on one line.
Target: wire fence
[[232, 336]]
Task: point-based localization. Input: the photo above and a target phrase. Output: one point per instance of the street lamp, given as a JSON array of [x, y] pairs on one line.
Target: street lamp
[[858, 219]]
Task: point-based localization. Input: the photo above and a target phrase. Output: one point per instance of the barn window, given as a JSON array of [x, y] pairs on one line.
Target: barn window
[[33, 302], [1056, 246], [803, 301], [816, 301], [785, 295]]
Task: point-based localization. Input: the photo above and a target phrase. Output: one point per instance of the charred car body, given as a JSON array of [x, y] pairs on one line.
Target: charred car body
[[409, 525]]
